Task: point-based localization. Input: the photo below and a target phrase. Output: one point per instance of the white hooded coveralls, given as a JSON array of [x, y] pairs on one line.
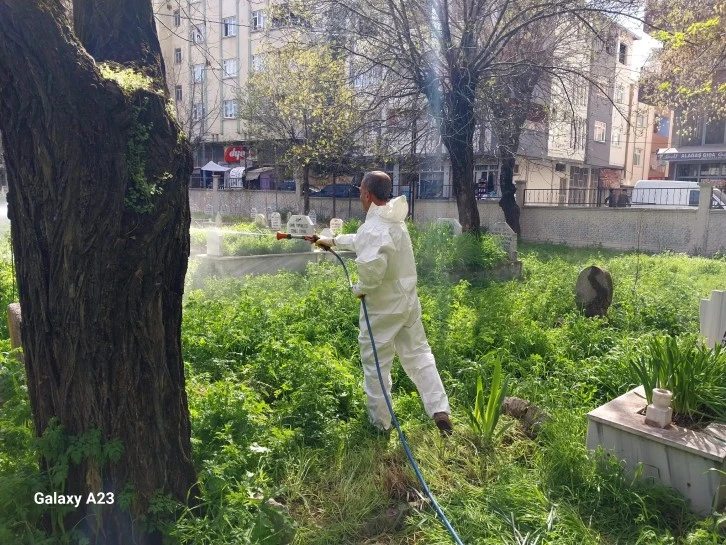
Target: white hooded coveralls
[[387, 277]]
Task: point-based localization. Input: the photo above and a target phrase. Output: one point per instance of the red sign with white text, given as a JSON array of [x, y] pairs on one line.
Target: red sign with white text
[[234, 154]]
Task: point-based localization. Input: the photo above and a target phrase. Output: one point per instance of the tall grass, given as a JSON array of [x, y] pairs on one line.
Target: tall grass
[[277, 411]]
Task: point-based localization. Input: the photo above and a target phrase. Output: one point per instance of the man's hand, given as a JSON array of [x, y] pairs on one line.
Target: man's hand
[[324, 242]]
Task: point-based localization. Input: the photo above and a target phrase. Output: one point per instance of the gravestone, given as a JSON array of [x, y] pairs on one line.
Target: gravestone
[[300, 225], [336, 226], [253, 213], [455, 225], [313, 217], [713, 319], [594, 291], [208, 209], [261, 221], [275, 221], [15, 322], [507, 237], [214, 242], [327, 233]]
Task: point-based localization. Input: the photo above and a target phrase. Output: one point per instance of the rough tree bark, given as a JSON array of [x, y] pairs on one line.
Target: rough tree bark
[[101, 256]]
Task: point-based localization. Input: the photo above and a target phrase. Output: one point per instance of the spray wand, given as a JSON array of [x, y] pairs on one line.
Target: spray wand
[[312, 239]]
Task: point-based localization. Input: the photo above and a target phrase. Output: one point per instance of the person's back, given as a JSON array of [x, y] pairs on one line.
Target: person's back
[[385, 229]]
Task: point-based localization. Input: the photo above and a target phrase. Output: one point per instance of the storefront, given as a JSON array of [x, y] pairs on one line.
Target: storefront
[[696, 166]]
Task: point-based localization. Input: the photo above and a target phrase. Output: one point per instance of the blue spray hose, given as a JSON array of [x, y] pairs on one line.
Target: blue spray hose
[[413, 463]]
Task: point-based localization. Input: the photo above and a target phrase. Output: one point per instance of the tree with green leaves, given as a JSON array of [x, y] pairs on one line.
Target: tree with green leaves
[[98, 171], [299, 96], [689, 73]]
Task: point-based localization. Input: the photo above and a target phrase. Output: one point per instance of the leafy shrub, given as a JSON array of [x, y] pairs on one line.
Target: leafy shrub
[[696, 375]]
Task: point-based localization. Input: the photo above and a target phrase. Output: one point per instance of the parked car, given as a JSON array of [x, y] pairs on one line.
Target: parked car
[[339, 191], [289, 185], [674, 193]]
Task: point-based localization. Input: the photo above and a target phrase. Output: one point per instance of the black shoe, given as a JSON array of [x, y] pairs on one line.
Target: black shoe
[[443, 422]]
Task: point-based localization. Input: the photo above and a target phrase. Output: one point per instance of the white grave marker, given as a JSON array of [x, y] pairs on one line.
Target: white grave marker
[[253, 213], [713, 319], [208, 210], [313, 217], [455, 225], [326, 233], [275, 221], [508, 238], [300, 225], [336, 225], [261, 221]]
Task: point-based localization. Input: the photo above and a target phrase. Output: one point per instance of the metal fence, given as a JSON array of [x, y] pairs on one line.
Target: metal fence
[[578, 197], [625, 197]]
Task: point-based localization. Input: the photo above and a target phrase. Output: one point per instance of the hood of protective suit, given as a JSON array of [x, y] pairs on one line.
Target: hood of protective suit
[[394, 210]]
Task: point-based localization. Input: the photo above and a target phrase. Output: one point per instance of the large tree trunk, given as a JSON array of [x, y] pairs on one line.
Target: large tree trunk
[[100, 230], [458, 136], [508, 202]]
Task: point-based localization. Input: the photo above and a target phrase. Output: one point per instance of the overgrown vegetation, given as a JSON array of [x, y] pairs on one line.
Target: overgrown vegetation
[[283, 445]]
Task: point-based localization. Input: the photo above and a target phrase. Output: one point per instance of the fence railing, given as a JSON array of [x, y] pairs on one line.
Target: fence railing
[[578, 197], [651, 197]]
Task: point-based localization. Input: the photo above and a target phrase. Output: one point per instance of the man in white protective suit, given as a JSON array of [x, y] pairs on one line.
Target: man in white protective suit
[[387, 280]]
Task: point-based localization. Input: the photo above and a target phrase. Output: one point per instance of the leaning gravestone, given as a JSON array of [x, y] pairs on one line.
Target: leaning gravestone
[[15, 322], [300, 225], [336, 226], [508, 238], [275, 221], [455, 225], [261, 221], [594, 291], [713, 319]]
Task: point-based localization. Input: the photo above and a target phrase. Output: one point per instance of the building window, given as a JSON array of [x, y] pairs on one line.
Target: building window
[[229, 26], [640, 120], [600, 130], [715, 131], [198, 111], [198, 35], [177, 18], [616, 135], [178, 93], [230, 68], [619, 94], [637, 157], [177, 55], [256, 63], [623, 54], [230, 109], [198, 73], [258, 20]]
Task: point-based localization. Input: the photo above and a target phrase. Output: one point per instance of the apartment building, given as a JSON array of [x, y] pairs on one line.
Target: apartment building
[[209, 48], [577, 157], [650, 131]]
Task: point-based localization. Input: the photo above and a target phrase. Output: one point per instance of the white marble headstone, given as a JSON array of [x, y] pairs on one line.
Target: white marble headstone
[[253, 213], [313, 217], [336, 225], [508, 237], [275, 221], [713, 319], [300, 225]]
